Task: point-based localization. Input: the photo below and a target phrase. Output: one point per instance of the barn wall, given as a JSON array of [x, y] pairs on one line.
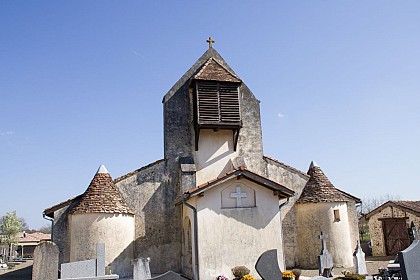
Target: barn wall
[[375, 227]]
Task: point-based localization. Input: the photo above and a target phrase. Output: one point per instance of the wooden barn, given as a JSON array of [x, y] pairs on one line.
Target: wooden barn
[[390, 226]]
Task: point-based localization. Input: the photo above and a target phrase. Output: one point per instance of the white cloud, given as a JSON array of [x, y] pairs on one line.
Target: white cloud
[[280, 115], [6, 133]]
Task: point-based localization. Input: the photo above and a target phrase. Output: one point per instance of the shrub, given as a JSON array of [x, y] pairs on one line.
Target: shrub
[[240, 271]]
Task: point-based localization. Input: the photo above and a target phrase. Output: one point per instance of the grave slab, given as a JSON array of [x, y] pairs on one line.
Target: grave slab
[[267, 265], [410, 260], [45, 265]]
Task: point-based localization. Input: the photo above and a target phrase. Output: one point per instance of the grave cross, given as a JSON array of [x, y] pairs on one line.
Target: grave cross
[[238, 195], [323, 238], [210, 41]]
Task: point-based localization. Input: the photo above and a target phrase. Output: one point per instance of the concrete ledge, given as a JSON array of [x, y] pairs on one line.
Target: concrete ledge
[[106, 277]]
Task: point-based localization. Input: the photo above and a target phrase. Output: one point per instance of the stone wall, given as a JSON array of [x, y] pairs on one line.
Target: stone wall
[[61, 233], [375, 227], [296, 181], [157, 221]]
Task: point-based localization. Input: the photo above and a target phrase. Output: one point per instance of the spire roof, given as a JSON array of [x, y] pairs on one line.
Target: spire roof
[[212, 70], [211, 53], [320, 189], [101, 196]]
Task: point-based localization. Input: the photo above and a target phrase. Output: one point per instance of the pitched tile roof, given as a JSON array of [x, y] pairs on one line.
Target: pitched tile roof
[[241, 171], [320, 189], [405, 205], [212, 70], [33, 237], [101, 197]]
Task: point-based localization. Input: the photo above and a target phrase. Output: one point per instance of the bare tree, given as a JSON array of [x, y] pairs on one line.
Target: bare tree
[[370, 203]]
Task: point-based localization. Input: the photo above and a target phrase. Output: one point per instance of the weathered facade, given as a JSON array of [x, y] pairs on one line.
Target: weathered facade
[[389, 226], [322, 207], [214, 194]]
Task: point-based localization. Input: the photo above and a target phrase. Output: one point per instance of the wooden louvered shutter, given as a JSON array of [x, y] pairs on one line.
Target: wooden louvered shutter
[[218, 103], [229, 103], [208, 103]]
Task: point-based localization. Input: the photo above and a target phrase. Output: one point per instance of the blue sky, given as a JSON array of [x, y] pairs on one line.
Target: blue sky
[[81, 84]]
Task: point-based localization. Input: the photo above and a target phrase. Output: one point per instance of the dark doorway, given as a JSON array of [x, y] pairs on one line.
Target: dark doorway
[[395, 235]]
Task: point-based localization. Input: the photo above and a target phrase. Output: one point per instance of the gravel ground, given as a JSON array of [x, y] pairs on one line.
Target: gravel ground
[[372, 265], [24, 271]]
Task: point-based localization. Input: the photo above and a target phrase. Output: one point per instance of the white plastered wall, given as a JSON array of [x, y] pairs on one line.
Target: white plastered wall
[[214, 154], [115, 230], [312, 218], [230, 237]]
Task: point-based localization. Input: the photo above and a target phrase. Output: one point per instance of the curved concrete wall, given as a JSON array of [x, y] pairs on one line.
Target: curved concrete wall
[[115, 230], [312, 218]]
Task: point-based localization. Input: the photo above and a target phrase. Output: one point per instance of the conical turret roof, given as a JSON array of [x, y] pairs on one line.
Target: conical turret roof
[[101, 196], [320, 189]]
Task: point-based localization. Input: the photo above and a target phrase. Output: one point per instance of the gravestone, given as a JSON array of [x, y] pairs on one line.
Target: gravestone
[[141, 269], [409, 261], [88, 269], [359, 260], [169, 275], [45, 266], [325, 262], [267, 266]]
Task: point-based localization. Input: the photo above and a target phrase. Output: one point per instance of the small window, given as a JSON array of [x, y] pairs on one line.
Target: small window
[[336, 215]]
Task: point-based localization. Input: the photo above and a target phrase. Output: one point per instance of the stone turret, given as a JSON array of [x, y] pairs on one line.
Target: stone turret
[[102, 216], [322, 207]]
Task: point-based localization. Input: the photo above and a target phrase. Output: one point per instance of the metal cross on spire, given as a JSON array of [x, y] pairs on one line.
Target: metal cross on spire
[[210, 41]]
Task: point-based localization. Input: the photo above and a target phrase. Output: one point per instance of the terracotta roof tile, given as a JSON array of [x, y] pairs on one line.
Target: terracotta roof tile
[[320, 189], [412, 205], [101, 197], [212, 70], [34, 237]]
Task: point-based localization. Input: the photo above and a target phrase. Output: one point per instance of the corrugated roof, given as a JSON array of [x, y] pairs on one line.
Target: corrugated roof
[[101, 197], [212, 70], [320, 189]]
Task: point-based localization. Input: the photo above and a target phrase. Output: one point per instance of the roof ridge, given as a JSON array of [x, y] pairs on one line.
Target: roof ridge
[[129, 174], [101, 196], [287, 166]]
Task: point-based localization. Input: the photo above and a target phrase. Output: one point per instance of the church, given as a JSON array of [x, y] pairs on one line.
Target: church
[[215, 201]]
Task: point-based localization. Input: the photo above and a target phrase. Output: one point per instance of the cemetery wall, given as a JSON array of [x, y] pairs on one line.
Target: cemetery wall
[[295, 181], [316, 217], [115, 230], [150, 192], [375, 227], [238, 235]]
